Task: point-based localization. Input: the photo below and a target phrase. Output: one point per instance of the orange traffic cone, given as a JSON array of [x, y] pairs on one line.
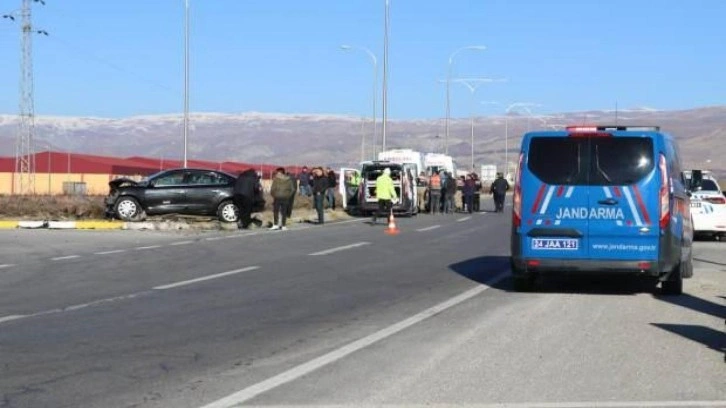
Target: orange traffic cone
[[392, 228]]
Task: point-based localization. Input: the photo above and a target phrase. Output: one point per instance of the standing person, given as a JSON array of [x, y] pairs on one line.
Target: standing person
[[469, 188], [477, 190], [319, 188], [434, 192], [385, 193], [450, 186], [499, 190], [244, 196], [281, 190], [442, 205], [332, 184], [421, 185], [304, 180]]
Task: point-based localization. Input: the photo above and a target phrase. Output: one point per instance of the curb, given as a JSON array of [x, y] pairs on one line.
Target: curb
[[63, 225]]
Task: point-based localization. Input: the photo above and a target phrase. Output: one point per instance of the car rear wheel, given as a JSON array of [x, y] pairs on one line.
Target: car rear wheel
[[228, 212], [127, 209]]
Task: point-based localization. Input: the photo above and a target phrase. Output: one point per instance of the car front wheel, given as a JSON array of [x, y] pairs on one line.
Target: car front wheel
[[228, 212], [127, 209]]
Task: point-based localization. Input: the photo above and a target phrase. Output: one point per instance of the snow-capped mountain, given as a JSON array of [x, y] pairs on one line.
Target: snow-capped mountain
[[333, 139]]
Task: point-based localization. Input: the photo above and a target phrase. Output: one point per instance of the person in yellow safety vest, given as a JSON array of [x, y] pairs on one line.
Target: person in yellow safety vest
[[385, 193]]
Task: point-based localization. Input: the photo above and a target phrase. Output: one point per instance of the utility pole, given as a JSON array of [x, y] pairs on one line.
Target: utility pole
[[385, 75], [24, 142]]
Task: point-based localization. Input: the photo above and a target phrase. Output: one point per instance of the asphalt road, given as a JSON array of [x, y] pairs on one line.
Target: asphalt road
[[342, 315]]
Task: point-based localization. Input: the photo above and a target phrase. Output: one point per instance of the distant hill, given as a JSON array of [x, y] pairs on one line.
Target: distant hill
[[336, 140]]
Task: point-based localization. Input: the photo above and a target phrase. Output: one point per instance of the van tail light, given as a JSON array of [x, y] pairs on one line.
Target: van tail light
[[664, 193], [715, 200], [517, 199]]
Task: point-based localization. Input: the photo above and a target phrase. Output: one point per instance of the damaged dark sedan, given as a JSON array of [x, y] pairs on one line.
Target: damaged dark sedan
[[177, 191]]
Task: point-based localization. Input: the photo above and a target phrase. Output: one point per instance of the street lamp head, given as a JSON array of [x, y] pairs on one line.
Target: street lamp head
[[478, 47]]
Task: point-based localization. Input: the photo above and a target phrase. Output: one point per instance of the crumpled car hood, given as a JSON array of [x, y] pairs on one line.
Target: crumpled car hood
[[122, 182]]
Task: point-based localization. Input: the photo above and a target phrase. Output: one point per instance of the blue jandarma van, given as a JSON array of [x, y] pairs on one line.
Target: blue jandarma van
[[601, 199]]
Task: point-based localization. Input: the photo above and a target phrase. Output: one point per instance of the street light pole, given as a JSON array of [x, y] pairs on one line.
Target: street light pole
[[385, 74], [473, 84], [524, 105], [374, 61], [186, 79], [448, 87]]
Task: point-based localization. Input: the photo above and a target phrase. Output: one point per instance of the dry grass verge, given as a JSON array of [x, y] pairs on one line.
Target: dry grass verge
[[40, 207]]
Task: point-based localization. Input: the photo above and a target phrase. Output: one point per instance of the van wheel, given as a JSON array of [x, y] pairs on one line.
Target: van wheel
[[523, 283], [674, 285]]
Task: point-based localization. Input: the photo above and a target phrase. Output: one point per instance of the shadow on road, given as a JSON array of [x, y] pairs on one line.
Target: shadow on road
[[695, 303], [711, 338], [709, 262], [482, 269]]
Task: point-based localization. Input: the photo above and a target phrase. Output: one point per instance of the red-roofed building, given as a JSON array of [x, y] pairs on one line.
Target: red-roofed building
[[53, 170]]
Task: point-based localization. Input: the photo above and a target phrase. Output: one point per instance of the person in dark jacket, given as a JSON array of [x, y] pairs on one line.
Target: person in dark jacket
[[244, 196], [332, 184], [450, 186], [320, 186], [499, 190], [468, 190], [281, 190], [304, 181]]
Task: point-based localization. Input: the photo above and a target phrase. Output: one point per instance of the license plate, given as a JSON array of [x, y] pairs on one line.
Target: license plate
[[569, 244]]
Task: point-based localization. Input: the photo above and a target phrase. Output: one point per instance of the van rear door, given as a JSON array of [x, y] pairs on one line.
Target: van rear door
[[555, 198], [624, 186], [347, 191]]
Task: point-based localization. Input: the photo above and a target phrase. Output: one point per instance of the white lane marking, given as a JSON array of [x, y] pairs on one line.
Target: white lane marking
[[590, 404], [205, 278], [5, 266], [147, 247], [102, 301], [329, 358], [570, 190], [338, 249], [63, 258], [433, 227], [212, 238], [12, 317], [74, 307], [631, 204], [115, 251], [548, 197], [463, 219], [181, 243]]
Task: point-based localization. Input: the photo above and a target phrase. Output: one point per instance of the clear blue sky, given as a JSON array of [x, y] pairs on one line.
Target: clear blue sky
[[125, 57]]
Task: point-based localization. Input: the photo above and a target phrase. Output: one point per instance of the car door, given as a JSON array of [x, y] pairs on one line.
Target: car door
[[205, 189], [165, 193], [555, 202], [346, 189], [624, 185]]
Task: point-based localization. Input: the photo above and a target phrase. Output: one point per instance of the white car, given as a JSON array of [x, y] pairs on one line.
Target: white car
[[708, 207]]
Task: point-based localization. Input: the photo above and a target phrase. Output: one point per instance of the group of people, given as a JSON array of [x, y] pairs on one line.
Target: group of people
[[442, 193], [317, 182], [438, 192]]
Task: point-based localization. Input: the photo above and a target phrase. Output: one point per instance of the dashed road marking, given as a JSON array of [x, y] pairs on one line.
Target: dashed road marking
[[206, 278], [147, 247], [115, 251], [340, 248], [306, 368], [5, 266], [433, 227], [10, 318], [181, 243], [463, 219], [64, 258]]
